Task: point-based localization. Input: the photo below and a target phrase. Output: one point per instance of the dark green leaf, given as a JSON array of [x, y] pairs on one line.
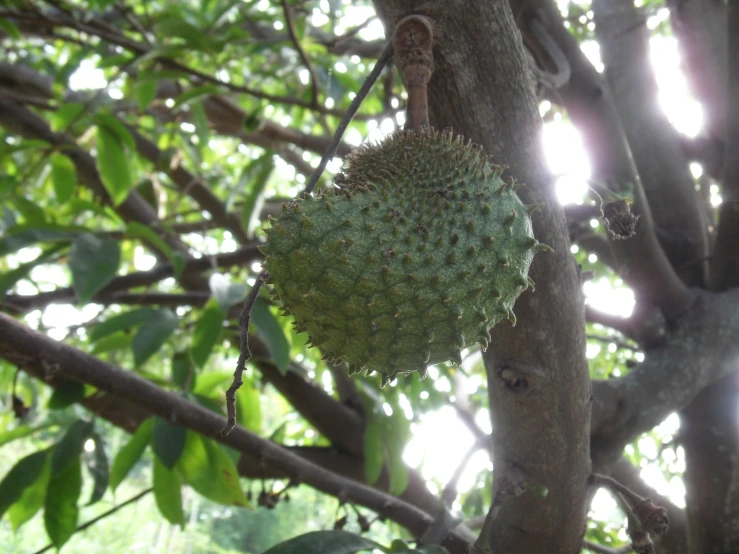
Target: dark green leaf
[[325, 542], [206, 333], [254, 180], [145, 91], [97, 465], [20, 236], [374, 457], [21, 476], [22, 431], [60, 509], [70, 447], [271, 332], [63, 177], [130, 453], [32, 498], [168, 441], [209, 470], [94, 263], [113, 164], [10, 29], [116, 341], [183, 372], [209, 381], [121, 322], [168, 493], [31, 212], [115, 126], [66, 395], [152, 335], [65, 115]]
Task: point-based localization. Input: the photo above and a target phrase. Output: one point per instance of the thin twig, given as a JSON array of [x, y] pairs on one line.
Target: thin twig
[[244, 355], [450, 493], [349, 115], [301, 52], [614, 340], [94, 520]]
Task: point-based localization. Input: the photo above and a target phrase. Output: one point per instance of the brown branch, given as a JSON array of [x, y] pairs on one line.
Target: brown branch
[[31, 350], [700, 349], [244, 353], [644, 264], [66, 295], [654, 143], [724, 269], [104, 32], [190, 185]]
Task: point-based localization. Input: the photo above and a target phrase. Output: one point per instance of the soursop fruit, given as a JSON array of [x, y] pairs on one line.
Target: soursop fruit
[[413, 255]]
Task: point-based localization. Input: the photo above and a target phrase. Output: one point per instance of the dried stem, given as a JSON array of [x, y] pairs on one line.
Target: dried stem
[[244, 355], [301, 52], [413, 40]]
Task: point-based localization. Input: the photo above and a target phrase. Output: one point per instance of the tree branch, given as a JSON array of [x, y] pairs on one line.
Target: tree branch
[[32, 350], [700, 349], [663, 170]]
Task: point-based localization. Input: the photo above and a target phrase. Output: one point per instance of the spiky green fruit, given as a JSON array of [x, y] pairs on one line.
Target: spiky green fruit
[[417, 252]]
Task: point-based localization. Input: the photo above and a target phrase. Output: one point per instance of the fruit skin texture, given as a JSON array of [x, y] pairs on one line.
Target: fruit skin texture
[[417, 252]]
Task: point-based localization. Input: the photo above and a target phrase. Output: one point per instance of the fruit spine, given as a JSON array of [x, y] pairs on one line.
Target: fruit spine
[[413, 255]]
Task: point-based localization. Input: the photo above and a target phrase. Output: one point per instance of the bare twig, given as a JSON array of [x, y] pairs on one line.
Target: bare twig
[[449, 494], [349, 115], [244, 355]]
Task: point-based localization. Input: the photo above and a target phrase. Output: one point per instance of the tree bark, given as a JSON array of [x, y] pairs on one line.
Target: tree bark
[[538, 376]]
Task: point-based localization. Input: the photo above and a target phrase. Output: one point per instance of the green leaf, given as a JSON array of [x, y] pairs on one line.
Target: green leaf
[[65, 115], [130, 453], [325, 542], [70, 447], [208, 381], [20, 236], [113, 164], [272, 334], [116, 341], [249, 408], [206, 333], [94, 263], [22, 431], [10, 29], [195, 93], [145, 92], [208, 469], [10, 278], [121, 322], [63, 177], [183, 372], [32, 498], [374, 457], [254, 180], [168, 493], [152, 335], [397, 430], [60, 509], [168, 441], [97, 465], [225, 292], [116, 126], [21, 476], [66, 395]]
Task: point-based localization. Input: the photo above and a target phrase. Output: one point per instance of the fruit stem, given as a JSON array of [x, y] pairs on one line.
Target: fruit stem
[[413, 40]]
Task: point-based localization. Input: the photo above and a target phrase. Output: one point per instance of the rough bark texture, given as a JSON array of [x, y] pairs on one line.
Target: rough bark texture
[[538, 380], [624, 39], [709, 433]]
